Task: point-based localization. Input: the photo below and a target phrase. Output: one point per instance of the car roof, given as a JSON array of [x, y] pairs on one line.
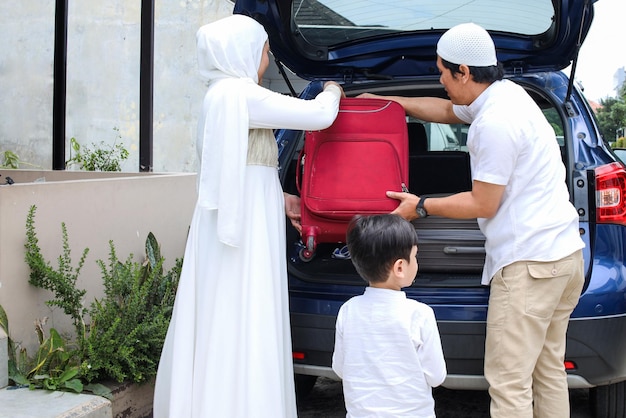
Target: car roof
[[365, 39]]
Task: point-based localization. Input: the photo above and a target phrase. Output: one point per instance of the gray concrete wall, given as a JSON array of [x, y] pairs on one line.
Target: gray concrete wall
[[96, 208], [103, 78]]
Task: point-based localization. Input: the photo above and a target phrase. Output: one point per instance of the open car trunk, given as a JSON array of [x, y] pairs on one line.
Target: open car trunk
[[451, 251], [451, 254]]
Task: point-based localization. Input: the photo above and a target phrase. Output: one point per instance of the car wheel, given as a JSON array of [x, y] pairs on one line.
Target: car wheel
[[304, 384], [608, 401]]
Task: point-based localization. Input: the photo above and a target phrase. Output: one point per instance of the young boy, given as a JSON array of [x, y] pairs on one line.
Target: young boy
[[387, 347]]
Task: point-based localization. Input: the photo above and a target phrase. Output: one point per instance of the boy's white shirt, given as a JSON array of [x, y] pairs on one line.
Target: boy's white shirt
[[388, 354]]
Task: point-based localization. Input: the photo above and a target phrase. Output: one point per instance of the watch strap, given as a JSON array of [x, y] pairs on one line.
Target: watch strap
[[421, 210]]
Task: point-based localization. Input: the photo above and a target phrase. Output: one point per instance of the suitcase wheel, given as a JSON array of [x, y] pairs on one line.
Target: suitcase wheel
[[306, 254]]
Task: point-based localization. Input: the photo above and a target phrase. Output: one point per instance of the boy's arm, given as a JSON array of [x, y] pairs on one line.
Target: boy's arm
[[431, 353], [338, 351]]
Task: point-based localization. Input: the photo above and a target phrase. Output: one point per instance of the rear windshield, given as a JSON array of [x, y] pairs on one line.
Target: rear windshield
[[332, 22]]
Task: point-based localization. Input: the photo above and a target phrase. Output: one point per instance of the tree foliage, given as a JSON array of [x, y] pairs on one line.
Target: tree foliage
[[612, 116]]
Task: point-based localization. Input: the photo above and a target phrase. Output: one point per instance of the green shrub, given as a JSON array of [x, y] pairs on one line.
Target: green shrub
[[128, 326], [60, 281], [125, 334], [101, 158]]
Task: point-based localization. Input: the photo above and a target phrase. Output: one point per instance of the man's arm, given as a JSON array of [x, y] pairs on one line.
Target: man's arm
[[428, 109], [482, 201]]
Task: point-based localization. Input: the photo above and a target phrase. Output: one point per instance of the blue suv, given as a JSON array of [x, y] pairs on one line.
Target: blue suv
[[389, 49]]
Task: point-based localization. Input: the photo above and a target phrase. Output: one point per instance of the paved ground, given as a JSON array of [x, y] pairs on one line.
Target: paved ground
[[326, 401]]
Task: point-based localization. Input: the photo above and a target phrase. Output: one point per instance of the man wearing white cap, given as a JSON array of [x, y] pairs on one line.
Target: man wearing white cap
[[533, 258]]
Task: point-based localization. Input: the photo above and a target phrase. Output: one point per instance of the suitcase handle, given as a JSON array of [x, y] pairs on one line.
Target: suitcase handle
[[463, 250], [299, 168]]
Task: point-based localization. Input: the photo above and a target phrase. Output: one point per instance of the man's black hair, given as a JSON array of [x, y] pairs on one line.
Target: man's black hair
[[480, 74], [376, 242]]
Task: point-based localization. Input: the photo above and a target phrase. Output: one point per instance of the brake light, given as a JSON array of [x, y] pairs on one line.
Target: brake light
[[298, 355], [611, 193], [569, 365]]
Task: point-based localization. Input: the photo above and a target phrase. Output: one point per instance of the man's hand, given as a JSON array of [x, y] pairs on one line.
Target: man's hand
[[368, 96], [408, 203]]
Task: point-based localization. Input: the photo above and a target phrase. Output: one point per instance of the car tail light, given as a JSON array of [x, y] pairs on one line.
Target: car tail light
[[298, 355], [611, 194], [569, 365]]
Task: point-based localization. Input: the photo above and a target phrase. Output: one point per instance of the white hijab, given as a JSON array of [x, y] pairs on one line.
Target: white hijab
[[229, 54]]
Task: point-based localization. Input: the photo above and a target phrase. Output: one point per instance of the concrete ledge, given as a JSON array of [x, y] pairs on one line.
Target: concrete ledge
[[26, 403], [129, 400], [4, 360], [132, 400]]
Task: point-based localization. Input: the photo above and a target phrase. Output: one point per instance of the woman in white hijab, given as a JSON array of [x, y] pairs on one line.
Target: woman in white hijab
[[227, 353]]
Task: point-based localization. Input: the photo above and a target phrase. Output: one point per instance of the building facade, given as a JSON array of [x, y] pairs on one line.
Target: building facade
[[102, 83]]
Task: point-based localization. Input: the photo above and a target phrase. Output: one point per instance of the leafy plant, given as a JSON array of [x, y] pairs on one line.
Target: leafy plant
[[61, 281], [101, 158], [12, 160], [54, 367], [15, 357], [127, 327]]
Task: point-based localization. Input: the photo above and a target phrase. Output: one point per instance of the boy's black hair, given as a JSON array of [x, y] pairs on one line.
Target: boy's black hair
[[376, 242], [480, 74]]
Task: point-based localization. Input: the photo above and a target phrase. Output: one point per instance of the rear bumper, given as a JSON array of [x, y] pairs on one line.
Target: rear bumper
[[453, 381], [596, 346]]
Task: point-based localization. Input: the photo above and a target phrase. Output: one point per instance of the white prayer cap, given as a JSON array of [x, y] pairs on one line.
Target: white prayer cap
[[467, 44]]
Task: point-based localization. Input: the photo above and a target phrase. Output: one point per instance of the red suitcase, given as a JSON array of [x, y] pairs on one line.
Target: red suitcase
[[347, 168]]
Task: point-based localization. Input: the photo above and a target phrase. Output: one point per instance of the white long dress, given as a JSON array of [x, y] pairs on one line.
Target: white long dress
[[227, 353]]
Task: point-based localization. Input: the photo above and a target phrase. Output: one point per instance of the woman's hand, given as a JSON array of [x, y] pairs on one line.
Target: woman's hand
[[334, 83], [292, 210]]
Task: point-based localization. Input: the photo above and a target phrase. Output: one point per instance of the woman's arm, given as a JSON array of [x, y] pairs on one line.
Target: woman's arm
[[271, 110]]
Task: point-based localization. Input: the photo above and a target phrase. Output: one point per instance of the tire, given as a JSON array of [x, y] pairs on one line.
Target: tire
[[304, 384], [608, 401]]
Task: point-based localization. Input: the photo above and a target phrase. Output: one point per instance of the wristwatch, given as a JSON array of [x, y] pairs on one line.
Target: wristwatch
[[420, 209]]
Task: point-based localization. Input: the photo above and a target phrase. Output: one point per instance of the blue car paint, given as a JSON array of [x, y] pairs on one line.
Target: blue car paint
[[597, 332], [604, 297]]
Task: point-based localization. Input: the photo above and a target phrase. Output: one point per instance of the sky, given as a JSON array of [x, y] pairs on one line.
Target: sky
[[604, 50]]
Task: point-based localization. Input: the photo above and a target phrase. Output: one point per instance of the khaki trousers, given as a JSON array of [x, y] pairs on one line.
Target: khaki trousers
[[529, 308]]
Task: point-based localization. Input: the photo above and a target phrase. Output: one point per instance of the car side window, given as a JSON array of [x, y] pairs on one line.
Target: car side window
[[438, 136], [555, 120]]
